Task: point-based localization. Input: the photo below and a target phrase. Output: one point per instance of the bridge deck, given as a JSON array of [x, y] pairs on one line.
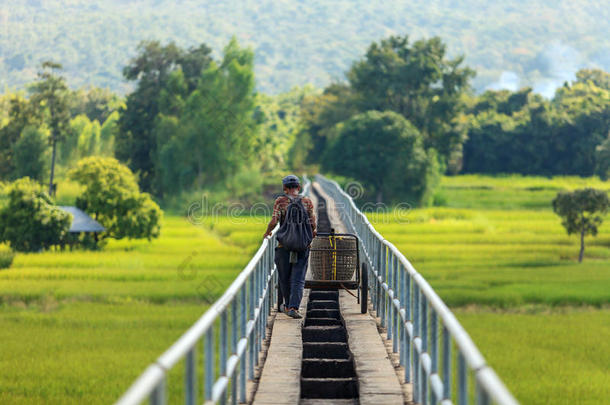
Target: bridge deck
[[378, 382]]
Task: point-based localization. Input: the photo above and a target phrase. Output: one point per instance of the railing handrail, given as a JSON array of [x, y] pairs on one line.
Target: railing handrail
[[485, 376], [150, 384]]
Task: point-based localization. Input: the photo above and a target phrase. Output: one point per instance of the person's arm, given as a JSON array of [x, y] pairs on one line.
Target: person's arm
[[312, 216], [275, 217]]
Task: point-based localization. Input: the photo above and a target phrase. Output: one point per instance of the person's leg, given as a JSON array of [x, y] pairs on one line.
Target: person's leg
[[282, 261], [297, 279]]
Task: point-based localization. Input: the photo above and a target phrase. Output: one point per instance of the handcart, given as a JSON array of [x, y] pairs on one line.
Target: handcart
[[334, 263]]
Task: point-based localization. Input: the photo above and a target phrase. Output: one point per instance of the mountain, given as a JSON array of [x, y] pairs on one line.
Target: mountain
[[511, 43]]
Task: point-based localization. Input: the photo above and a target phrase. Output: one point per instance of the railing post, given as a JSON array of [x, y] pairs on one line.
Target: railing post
[[433, 350], [242, 330], [396, 288], [416, 359], [434, 340], [209, 363], [482, 396], [234, 387], [252, 336], [382, 269], [377, 284], [190, 377], [224, 349], [424, 341], [159, 396], [390, 300], [446, 364], [462, 380]]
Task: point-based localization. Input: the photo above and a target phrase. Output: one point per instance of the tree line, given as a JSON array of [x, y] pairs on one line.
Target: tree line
[[405, 114]]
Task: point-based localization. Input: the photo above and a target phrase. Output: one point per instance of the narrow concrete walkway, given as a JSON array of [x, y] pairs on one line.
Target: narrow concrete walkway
[[377, 380], [280, 382]]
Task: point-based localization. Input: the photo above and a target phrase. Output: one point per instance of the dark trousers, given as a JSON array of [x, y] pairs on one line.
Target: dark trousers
[[291, 276]]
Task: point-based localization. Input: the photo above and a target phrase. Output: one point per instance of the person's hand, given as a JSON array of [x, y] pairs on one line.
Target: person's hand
[[266, 234]]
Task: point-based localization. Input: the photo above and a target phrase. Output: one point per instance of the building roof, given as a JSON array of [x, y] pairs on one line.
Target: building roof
[[81, 222]]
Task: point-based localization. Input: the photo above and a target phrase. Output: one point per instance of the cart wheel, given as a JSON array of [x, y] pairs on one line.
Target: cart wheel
[[364, 289]]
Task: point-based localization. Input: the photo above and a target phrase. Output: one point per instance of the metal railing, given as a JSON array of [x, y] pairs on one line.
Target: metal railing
[[422, 329], [242, 312]]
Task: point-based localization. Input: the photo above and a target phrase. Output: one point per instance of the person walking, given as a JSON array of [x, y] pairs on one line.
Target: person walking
[[297, 219]]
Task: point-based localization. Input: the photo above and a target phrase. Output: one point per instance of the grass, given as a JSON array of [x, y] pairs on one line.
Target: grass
[[502, 258], [79, 327], [550, 358], [498, 255], [511, 191]]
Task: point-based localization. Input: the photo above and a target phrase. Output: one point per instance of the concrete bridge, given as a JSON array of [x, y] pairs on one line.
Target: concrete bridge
[[408, 348]]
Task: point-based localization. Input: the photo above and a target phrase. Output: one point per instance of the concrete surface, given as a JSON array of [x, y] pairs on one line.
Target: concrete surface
[[280, 381], [378, 383]]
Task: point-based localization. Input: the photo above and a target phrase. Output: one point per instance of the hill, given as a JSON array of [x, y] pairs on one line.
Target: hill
[[511, 43]]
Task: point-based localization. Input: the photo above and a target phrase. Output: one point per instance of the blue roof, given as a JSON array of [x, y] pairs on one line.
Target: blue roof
[[81, 222]]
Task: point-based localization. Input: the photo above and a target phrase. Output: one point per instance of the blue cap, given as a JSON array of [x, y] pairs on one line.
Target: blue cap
[[291, 180]]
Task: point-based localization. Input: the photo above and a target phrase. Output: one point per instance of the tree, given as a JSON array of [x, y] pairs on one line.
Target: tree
[[111, 195], [51, 95], [152, 69], [30, 154], [385, 152], [30, 222], [581, 211], [21, 113], [205, 137], [319, 114], [415, 80], [602, 159], [94, 102]]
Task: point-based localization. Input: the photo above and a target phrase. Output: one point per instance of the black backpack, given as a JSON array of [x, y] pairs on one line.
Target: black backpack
[[295, 233]]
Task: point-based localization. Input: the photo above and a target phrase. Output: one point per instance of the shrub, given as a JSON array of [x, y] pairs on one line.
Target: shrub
[[30, 222], [6, 259], [111, 196]]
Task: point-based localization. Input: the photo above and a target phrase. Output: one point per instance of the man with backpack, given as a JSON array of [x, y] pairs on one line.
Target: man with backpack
[[297, 229]]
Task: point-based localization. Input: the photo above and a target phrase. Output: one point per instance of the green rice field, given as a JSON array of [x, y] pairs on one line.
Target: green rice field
[[499, 257], [78, 327]]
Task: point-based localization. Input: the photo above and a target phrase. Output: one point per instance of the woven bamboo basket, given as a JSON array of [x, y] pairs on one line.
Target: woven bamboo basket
[[333, 257]]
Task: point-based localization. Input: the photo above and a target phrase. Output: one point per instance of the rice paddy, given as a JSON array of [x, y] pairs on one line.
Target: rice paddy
[[510, 273], [79, 327]]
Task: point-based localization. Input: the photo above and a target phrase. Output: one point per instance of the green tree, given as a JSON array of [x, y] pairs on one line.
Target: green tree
[[30, 222], [111, 195], [51, 95], [418, 81], [152, 69], [385, 152], [206, 138], [94, 102], [30, 154], [598, 77], [20, 114], [581, 211], [319, 114], [602, 159]]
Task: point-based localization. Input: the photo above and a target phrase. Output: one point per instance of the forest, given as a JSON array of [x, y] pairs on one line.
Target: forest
[[196, 122], [511, 44]]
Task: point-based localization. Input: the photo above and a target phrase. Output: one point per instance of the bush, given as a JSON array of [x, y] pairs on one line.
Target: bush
[[111, 196], [30, 222], [6, 259]]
